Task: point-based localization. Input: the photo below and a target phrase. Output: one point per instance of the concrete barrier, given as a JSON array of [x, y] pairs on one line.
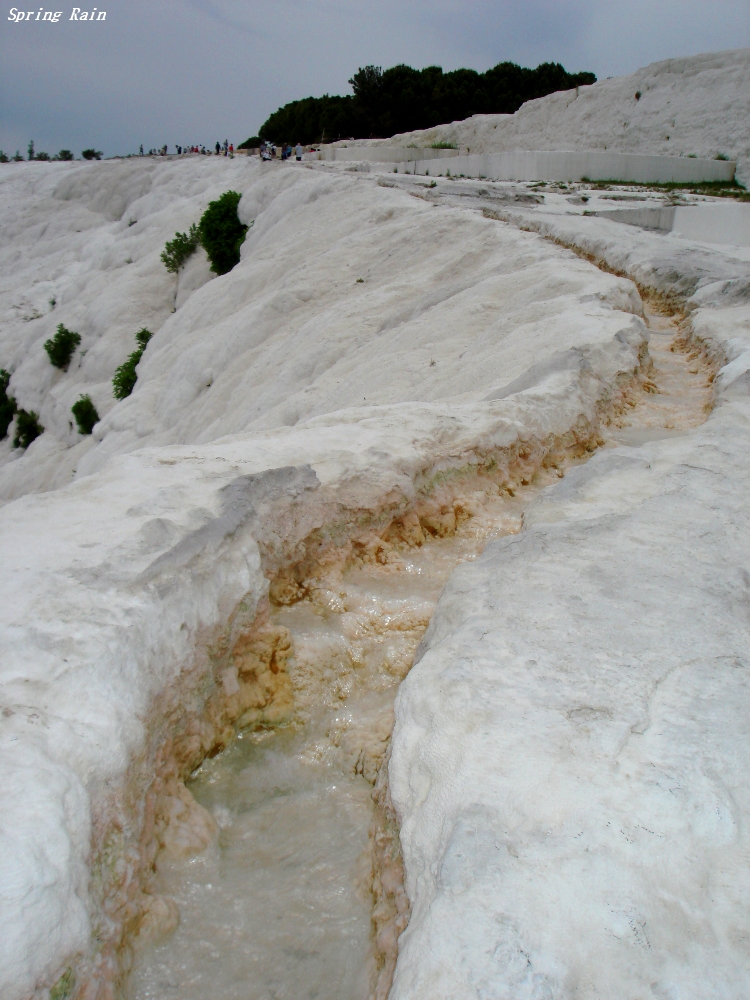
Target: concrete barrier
[[380, 154], [728, 224], [645, 218], [522, 165]]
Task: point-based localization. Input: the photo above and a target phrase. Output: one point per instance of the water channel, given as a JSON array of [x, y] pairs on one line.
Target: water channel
[[280, 906]]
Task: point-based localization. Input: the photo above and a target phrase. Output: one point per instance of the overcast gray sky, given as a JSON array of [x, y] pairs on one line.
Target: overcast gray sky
[[194, 71]]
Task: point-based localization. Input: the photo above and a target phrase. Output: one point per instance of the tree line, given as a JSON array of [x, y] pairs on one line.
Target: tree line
[[402, 99]]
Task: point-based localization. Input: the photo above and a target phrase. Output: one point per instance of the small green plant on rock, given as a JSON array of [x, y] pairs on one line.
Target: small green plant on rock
[[7, 404], [177, 251], [125, 377], [61, 347], [28, 428], [63, 988], [85, 413], [222, 233], [91, 154]]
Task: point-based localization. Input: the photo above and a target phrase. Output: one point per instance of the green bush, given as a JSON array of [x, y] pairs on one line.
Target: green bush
[[177, 251], [7, 404], [252, 143], [42, 156], [222, 233], [91, 154], [443, 145], [28, 429], [62, 346], [85, 413], [3, 157], [65, 154], [125, 377]]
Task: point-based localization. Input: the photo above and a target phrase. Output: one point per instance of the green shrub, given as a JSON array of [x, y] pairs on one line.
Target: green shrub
[[85, 413], [65, 154], [3, 157], [61, 347], [252, 143], [7, 404], [42, 156], [64, 987], [222, 233], [177, 251], [125, 377], [443, 145], [91, 154], [31, 150], [142, 338], [28, 428]]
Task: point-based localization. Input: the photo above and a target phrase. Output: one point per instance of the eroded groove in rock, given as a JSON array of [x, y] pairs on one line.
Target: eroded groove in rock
[[486, 501]]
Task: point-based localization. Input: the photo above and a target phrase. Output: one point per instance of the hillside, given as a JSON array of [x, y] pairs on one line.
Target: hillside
[[335, 275], [696, 106]]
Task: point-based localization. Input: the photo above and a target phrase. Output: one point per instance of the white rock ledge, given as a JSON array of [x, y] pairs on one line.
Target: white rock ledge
[[570, 756]]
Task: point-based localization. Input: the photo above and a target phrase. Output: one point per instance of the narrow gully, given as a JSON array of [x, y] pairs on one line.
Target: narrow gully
[[287, 902]]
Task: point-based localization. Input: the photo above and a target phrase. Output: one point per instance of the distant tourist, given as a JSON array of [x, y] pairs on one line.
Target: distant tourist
[[298, 151], [218, 147]]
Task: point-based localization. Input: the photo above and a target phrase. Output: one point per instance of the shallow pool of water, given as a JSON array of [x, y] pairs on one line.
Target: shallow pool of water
[[278, 907]]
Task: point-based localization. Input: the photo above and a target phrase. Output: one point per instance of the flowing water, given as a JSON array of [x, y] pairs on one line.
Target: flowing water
[[280, 906]]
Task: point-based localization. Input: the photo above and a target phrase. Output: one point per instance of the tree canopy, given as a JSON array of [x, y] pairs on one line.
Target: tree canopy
[[402, 99]]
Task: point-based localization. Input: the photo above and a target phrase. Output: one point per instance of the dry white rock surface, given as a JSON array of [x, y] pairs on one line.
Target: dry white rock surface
[[570, 755], [348, 294]]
